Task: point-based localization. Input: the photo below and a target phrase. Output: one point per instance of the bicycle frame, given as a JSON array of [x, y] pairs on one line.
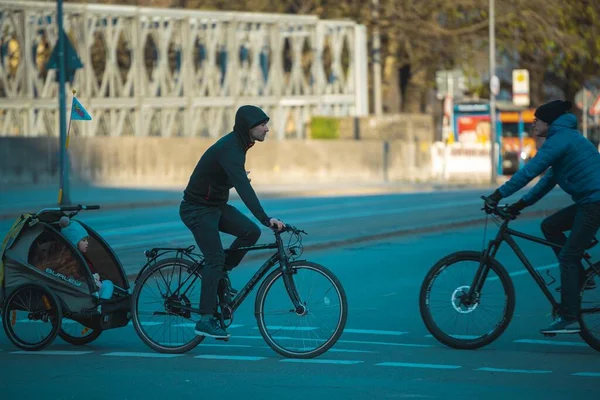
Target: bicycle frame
[[278, 257], [505, 234]]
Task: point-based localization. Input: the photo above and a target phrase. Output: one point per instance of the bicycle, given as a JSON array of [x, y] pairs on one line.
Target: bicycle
[[292, 301], [465, 298]]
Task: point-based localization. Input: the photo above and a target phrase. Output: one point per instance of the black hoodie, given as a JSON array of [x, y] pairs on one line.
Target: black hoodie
[[222, 167]]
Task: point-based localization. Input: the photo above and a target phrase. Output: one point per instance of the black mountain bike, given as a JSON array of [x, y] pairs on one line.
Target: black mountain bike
[[474, 284], [300, 308]]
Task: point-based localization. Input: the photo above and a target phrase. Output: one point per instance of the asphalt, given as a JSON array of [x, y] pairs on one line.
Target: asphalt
[[385, 351]]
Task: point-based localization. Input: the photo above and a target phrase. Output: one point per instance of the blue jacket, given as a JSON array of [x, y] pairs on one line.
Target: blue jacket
[[572, 162]]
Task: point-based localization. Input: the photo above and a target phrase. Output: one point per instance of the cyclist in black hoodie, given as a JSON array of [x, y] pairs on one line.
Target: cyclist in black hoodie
[[204, 210]]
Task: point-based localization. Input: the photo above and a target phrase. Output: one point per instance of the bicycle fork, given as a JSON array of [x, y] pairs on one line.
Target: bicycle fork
[[472, 296], [290, 286]]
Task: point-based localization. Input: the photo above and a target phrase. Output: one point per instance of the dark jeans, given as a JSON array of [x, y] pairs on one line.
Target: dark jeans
[[206, 222], [583, 221]]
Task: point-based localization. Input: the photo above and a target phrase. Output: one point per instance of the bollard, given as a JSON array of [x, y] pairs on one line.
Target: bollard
[[386, 160]]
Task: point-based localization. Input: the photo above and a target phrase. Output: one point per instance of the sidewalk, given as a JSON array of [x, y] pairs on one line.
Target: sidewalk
[[16, 200]]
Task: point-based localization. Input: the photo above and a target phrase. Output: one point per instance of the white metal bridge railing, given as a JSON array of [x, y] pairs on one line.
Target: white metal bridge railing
[[173, 72]]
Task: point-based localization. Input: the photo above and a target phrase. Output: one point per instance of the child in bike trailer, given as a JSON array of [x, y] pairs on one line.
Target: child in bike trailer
[[572, 162], [78, 236]]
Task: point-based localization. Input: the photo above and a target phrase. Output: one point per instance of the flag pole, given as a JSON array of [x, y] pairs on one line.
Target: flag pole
[[70, 119], [66, 156]]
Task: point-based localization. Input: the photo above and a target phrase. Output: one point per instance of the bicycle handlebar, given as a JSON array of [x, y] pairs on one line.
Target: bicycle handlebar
[[76, 208], [291, 228], [501, 212]]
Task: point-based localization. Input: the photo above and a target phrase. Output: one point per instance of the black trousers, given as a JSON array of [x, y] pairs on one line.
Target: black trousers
[[206, 222], [583, 221]]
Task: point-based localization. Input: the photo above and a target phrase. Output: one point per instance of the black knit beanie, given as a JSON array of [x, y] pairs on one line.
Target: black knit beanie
[[549, 112]]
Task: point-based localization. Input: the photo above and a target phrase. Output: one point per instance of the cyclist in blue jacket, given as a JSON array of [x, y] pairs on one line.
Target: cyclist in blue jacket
[[572, 162]]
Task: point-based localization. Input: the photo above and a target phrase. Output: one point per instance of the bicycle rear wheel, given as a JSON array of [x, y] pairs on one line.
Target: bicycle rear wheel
[[442, 302], [589, 317], [157, 315], [316, 325]]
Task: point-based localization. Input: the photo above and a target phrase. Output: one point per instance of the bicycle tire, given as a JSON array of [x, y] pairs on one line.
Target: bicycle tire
[[135, 316], [51, 302], [260, 303], [79, 341], [439, 334], [585, 331]]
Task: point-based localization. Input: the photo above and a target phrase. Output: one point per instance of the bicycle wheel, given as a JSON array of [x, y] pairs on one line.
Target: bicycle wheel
[[77, 334], [436, 295], [589, 317], [321, 296], [31, 317], [156, 306]]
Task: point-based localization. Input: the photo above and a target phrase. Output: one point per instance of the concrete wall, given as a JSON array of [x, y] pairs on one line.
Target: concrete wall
[[407, 127], [170, 161]]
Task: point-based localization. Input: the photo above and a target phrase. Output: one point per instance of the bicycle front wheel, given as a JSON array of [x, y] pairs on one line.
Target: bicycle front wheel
[[310, 329], [160, 306], [447, 314], [589, 317]]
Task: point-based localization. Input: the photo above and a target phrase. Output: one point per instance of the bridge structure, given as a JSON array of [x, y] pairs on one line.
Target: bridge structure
[[178, 72]]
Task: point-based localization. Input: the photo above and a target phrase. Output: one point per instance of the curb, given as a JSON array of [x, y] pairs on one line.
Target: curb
[[398, 233]]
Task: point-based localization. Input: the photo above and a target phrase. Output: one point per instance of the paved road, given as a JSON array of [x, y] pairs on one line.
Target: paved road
[[385, 351], [328, 220]]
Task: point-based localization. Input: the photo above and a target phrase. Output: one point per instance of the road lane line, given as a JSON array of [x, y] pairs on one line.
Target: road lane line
[[193, 325], [140, 354], [526, 272], [341, 341], [588, 374], [551, 342], [414, 365], [375, 332], [233, 358], [321, 361], [385, 343], [290, 328], [515, 371], [53, 353], [466, 337]]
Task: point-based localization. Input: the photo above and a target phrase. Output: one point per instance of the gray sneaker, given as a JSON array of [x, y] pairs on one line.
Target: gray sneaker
[[211, 328], [562, 325]]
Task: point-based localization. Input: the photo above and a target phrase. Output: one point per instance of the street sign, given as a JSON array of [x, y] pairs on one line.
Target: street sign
[[450, 78], [520, 81], [495, 85]]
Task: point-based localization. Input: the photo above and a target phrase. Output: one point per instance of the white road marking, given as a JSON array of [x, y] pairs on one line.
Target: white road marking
[[385, 343], [236, 358], [139, 354], [321, 361], [375, 332], [53, 353], [526, 272], [414, 365], [551, 342], [516, 371]]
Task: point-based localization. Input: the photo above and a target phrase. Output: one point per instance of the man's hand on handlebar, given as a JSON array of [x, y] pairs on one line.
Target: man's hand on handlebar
[[276, 224], [491, 207], [516, 208]]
